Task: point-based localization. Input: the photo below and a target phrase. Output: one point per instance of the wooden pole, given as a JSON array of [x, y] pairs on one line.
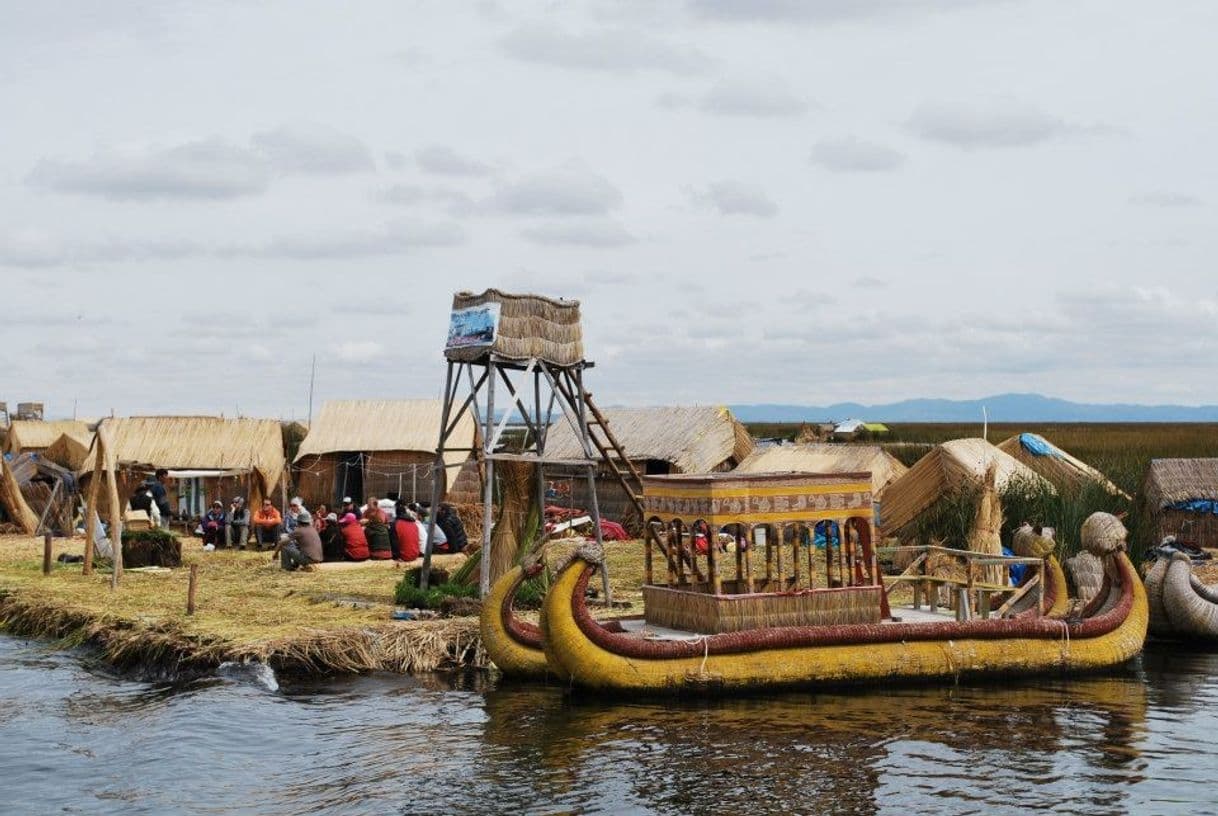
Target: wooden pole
[[648, 577], [712, 559], [779, 533], [488, 490], [795, 560], [46, 554], [738, 535], [190, 589], [677, 534], [748, 558], [92, 518]]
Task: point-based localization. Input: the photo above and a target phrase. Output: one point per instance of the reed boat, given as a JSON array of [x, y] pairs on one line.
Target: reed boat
[[514, 645], [1181, 605], [704, 633]]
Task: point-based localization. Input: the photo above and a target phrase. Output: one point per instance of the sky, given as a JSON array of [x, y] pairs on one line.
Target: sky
[[754, 200]]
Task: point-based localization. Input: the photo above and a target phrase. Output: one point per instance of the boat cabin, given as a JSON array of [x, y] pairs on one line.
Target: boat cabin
[[772, 526]]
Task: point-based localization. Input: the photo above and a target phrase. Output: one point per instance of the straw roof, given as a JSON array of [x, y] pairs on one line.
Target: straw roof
[[824, 457], [530, 326], [1056, 465], [693, 439], [199, 443], [1169, 481], [67, 451], [36, 435], [385, 425], [950, 466]]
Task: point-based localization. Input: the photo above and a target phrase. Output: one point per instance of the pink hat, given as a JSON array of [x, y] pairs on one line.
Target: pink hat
[[348, 518]]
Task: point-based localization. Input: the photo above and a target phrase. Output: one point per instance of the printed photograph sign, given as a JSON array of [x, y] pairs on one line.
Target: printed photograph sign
[[473, 326]]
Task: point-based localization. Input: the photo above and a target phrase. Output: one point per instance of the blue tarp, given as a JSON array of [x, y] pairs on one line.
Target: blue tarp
[[1037, 445], [1196, 506]]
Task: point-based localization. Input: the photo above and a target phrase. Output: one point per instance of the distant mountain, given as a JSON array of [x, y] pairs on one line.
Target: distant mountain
[[1001, 408]]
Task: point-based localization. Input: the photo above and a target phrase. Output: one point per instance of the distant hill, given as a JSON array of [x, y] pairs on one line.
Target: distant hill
[[1001, 408]]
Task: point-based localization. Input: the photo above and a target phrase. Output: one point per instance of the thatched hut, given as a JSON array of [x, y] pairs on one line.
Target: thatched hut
[[956, 465], [68, 451], [363, 448], [35, 436], [657, 441], [1064, 471], [827, 457], [1180, 498], [207, 458]]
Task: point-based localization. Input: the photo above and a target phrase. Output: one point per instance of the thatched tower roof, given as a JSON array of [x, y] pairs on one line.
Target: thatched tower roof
[[32, 436], [530, 326], [1172, 481], [692, 439], [199, 443], [1056, 465], [961, 463], [827, 458]]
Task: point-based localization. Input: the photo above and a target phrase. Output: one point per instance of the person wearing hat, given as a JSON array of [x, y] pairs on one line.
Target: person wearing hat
[[298, 549], [213, 526], [355, 545], [238, 523], [348, 507], [297, 515], [333, 544]]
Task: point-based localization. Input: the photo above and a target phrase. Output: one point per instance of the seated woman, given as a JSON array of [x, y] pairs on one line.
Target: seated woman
[[376, 531], [355, 545], [407, 531], [333, 545]]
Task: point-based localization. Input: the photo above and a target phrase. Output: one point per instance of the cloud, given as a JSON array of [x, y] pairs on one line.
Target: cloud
[[607, 50], [413, 195], [737, 198], [601, 234], [206, 169], [571, 189], [35, 249], [444, 161], [312, 150], [854, 155], [871, 282], [991, 124], [821, 11], [388, 238], [1166, 199], [752, 97]]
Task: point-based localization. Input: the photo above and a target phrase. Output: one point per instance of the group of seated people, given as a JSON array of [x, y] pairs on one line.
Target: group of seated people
[[379, 529]]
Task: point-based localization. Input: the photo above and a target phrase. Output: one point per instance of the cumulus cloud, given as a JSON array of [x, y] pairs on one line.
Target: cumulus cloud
[[1166, 199], [206, 169], [608, 50], [990, 124], [752, 97], [444, 161], [570, 189], [596, 233], [311, 149], [737, 198], [854, 155]]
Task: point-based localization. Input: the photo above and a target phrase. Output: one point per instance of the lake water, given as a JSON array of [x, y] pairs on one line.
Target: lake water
[[77, 738]]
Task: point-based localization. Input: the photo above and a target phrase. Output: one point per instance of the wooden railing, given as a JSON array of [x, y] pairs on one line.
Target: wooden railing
[[973, 594]]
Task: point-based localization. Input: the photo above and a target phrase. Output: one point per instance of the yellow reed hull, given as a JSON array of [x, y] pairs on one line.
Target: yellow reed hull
[[592, 666], [514, 658], [1061, 603]]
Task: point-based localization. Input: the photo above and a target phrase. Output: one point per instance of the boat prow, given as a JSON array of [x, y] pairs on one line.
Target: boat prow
[[1181, 605], [514, 645]]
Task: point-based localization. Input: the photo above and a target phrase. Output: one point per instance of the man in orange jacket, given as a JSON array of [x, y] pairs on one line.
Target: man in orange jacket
[[268, 524]]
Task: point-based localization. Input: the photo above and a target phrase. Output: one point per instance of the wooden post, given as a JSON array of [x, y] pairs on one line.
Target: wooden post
[[647, 556], [778, 534], [46, 554], [812, 559], [740, 544], [190, 589], [714, 583], [92, 517], [841, 546], [769, 558], [796, 572], [668, 552], [675, 526], [748, 558]]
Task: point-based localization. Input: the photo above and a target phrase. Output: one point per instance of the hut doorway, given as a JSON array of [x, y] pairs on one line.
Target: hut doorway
[[349, 477]]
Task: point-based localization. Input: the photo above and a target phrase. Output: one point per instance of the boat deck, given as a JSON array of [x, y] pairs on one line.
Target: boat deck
[[903, 614]]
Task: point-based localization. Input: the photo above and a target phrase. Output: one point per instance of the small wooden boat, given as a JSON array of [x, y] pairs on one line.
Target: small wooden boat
[[695, 636], [1181, 605]]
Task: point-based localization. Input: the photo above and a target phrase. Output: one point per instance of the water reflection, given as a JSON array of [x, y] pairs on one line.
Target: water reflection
[[74, 737]]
